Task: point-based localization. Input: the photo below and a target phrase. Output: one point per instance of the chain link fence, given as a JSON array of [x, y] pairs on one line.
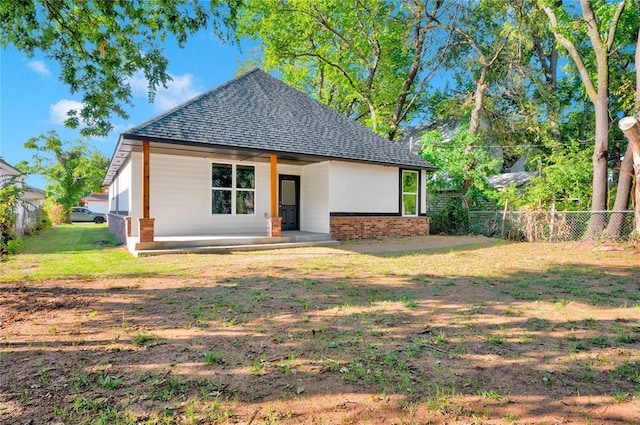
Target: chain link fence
[[549, 226]]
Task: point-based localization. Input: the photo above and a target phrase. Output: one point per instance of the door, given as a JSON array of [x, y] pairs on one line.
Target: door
[[289, 202]]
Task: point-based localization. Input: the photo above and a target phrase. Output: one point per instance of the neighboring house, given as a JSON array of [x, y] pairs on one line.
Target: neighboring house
[[6, 171], [514, 175], [31, 209], [412, 136], [97, 201], [255, 156], [30, 206], [518, 179]]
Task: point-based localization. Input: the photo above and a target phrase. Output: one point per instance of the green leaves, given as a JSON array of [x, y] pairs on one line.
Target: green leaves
[[10, 194], [565, 180], [362, 59], [100, 45], [71, 169], [459, 160]]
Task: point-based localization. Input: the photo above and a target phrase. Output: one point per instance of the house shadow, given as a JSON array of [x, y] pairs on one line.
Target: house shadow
[[257, 338]]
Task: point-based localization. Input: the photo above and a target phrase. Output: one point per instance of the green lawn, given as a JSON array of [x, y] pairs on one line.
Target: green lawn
[[85, 251], [406, 331]]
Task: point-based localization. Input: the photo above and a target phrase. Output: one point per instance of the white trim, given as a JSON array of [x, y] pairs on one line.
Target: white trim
[[416, 193], [233, 189]]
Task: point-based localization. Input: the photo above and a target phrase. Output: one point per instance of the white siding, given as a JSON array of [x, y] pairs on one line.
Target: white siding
[[314, 196], [363, 188], [120, 189], [98, 206], [180, 198]]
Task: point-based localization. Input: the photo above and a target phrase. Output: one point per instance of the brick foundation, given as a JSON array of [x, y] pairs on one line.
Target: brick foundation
[[146, 229], [119, 226], [345, 228], [274, 227]]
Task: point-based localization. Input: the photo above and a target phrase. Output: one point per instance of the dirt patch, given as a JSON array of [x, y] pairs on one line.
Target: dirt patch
[[419, 330]]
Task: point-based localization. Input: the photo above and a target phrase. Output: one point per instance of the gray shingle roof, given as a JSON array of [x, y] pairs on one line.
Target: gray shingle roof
[[519, 179], [258, 112]]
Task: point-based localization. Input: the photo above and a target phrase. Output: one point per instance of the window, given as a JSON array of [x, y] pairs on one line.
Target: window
[[233, 189], [410, 192]]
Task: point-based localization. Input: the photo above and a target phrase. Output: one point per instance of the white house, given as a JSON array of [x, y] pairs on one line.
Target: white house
[[97, 201], [257, 157], [30, 204]]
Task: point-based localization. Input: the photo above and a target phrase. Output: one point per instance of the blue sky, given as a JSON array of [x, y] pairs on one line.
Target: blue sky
[[33, 100]]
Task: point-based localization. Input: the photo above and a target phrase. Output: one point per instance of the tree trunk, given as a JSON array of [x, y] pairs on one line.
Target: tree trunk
[[631, 129], [600, 178], [626, 166], [481, 88], [623, 192]]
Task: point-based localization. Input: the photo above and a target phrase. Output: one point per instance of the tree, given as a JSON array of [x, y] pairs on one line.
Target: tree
[[565, 178], [99, 45], [10, 194], [71, 169], [369, 60], [452, 158], [631, 128], [594, 72]]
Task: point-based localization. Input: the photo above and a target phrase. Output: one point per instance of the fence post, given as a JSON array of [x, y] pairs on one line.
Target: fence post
[[504, 216], [552, 219]]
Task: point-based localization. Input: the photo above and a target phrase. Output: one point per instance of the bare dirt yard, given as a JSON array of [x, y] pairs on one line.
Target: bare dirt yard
[[421, 330]]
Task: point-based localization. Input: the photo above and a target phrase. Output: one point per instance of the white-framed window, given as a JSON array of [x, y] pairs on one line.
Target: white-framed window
[[233, 189], [410, 187]]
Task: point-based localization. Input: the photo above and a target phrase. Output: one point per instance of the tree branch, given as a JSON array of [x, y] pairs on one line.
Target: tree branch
[[614, 25], [573, 52]]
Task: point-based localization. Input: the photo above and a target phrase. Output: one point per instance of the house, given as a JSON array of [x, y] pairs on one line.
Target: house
[[412, 136], [257, 157], [513, 176], [97, 201], [29, 207]]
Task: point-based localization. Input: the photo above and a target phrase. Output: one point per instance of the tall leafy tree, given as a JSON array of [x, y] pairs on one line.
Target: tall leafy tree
[[100, 44], [599, 23], [481, 33], [371, 60], [72, 169]]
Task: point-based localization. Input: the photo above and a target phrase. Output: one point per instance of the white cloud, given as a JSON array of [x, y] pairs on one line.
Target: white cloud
[[58, 111], [180, 89], [138, 84], [39, 67]]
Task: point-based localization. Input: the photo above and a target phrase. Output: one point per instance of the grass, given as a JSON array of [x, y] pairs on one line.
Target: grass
[[72, 251], [424, 336]]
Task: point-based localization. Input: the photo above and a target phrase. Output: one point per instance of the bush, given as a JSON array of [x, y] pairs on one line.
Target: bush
[[452, 220], [14, 246], [55, 213]]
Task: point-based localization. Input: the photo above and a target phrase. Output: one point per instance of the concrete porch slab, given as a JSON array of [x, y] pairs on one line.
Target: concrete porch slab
[[227, 243]]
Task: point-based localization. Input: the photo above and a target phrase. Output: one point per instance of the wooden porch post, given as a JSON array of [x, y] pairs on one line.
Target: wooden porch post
[[145, 179], [274, 223], [146, 223]]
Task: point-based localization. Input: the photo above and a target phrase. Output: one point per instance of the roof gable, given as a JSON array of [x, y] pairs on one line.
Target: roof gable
[[256, 111]]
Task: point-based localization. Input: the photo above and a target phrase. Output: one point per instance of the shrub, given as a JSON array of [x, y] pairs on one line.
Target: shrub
[[14, 246]]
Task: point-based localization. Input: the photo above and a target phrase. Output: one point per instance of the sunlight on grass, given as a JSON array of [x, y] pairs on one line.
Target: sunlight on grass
[[86, 251]]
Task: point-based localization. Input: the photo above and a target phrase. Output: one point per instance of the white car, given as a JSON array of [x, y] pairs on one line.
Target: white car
[[83, 214]]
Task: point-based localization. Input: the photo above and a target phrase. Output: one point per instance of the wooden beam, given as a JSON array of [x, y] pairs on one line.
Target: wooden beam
[[145, 180], [274, 185]]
